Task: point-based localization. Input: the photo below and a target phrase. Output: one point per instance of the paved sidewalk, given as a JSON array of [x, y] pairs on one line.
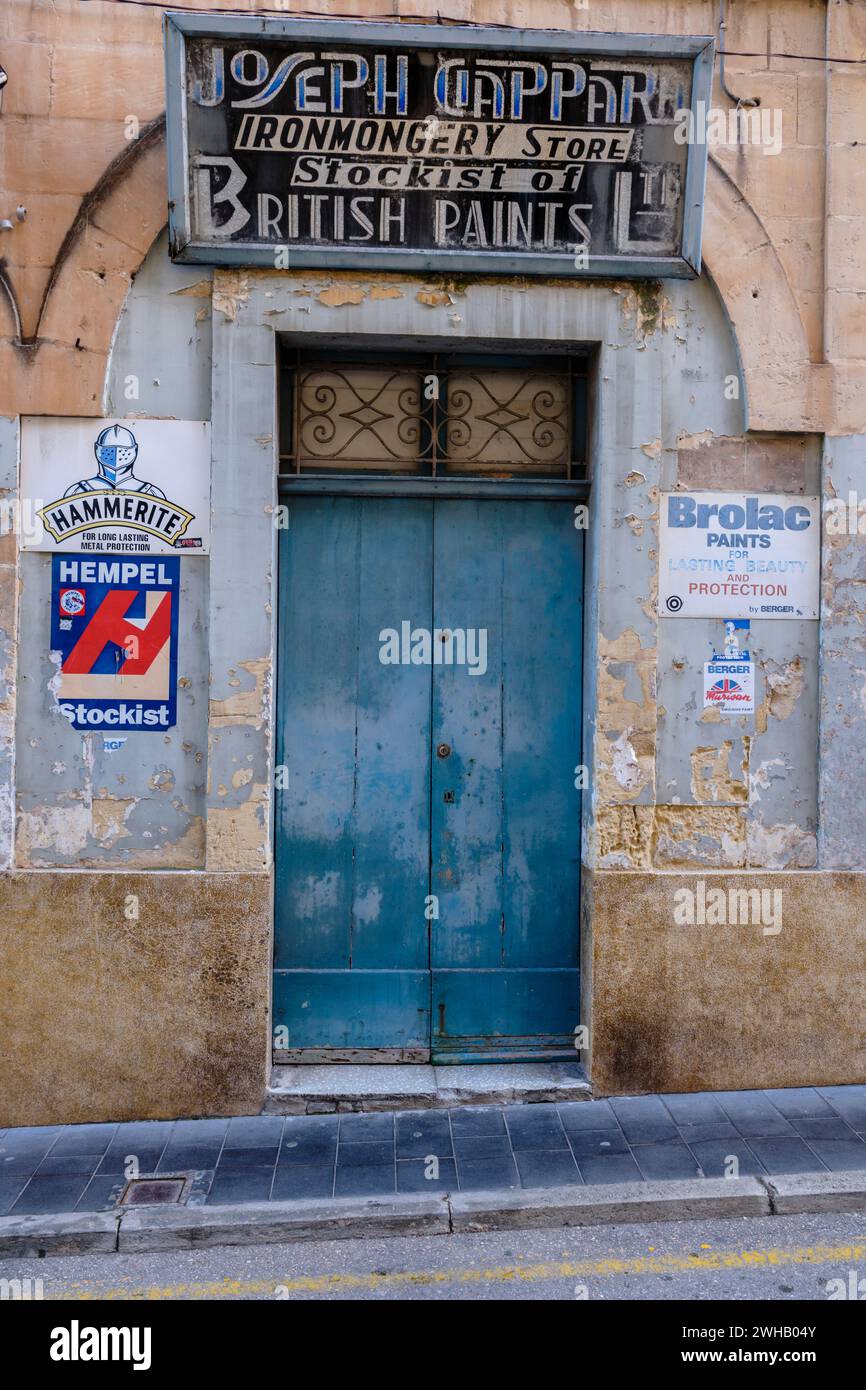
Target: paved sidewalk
[[498, 1149]]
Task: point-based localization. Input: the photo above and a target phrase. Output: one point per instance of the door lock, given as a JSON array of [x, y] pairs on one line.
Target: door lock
[[444, 750]]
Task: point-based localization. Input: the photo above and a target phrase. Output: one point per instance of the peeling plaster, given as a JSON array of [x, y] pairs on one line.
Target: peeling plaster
[[231, 289], [336, 295], [710, 836], [712, 780], [780, 846], [238, 835], [669, 836], [624, 764], [625, 739], [760, 779], [434, 298], [202, 289], [645, 310], [64, 829], [784, 686], [248, 706]]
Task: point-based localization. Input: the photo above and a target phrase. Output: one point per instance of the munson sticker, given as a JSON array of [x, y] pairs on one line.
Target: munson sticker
[[126, 487], [118, 651], [729, 686]]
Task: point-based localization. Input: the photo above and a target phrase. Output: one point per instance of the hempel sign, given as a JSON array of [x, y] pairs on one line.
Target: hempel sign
[[739, 555]]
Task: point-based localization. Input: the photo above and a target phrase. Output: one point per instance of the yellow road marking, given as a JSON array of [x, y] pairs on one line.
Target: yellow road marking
[[496, 1274]]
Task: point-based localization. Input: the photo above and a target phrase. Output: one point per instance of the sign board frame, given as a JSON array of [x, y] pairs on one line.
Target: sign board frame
[[115, 484], [760, 558], [114, 626], [182, 28]]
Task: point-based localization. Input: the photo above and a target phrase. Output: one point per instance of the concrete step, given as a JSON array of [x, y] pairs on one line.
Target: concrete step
[[325, 1087]]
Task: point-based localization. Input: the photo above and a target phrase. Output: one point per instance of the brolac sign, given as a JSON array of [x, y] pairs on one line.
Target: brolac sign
[[739, 555], [300, 142]]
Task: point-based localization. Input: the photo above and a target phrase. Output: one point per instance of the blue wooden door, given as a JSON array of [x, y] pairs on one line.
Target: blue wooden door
[[427, 884], [352, 826], [505, 810]]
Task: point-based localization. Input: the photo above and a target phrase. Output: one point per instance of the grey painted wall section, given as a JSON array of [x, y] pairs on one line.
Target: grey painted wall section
[[243, 575], [163, 342], [843, 668], [143, 805]]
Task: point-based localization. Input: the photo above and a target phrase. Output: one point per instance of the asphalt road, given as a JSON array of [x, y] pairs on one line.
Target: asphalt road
[[773, 1259]]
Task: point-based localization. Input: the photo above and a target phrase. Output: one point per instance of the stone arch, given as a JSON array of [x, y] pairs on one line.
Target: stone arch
[[60, 369], [766, 326]]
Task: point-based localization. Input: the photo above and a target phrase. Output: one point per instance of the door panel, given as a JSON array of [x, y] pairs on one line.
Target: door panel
[[352, 954], [506, 849], [364, 831]]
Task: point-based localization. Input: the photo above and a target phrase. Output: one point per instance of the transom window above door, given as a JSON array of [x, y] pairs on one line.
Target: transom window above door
[[432, 415]]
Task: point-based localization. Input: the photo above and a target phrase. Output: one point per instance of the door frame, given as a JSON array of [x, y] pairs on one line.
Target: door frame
[[321, 309], [458, 488]]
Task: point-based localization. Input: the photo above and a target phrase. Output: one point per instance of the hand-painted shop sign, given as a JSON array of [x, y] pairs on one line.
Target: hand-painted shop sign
[[738, 555], [330, 143], [114, 623], [138, 487]]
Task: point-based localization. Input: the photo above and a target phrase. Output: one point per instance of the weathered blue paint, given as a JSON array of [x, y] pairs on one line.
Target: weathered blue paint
[[386, 892], [506, 850], [352, 826]]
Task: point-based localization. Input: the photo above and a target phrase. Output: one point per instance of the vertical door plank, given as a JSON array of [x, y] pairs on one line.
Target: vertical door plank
[[505, 853], [352, 852]]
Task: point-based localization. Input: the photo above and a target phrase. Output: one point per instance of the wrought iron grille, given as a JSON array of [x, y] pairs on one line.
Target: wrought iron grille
[[433, 416]]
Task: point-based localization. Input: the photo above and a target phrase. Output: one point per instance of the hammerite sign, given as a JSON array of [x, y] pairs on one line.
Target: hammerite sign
[[136, 487], [298, 143]]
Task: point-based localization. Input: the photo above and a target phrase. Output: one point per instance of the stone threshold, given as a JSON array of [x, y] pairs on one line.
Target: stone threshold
[[324, 1088]]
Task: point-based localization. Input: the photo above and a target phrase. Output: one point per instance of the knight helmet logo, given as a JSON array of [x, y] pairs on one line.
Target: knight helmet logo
[[116, 450]]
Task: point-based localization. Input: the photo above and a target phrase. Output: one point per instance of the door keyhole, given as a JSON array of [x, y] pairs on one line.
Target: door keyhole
[[444, 750]]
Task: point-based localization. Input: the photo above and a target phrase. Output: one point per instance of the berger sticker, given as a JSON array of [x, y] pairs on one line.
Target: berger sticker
[[114, 624], [729, 686], [738, 555], [129, 487]]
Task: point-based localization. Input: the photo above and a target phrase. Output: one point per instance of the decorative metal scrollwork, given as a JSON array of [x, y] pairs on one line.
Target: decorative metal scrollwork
[[388, 419]]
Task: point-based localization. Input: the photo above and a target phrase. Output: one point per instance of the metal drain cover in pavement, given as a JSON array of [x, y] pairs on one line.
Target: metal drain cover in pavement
[[145, 1192]]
